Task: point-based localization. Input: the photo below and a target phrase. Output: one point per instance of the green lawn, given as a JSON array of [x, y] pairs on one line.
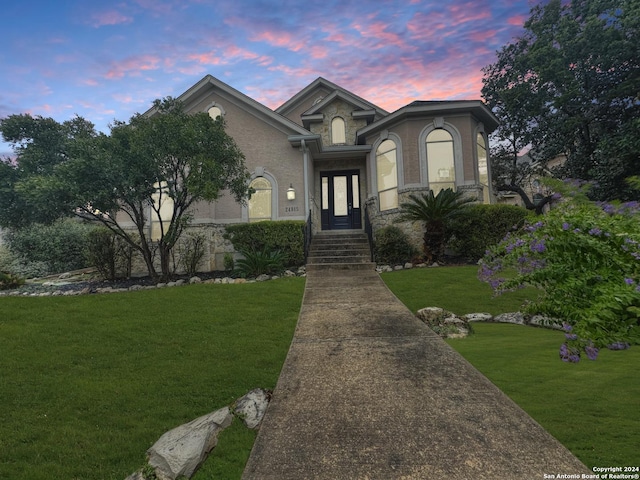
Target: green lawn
[[593, 408], [88, 383]]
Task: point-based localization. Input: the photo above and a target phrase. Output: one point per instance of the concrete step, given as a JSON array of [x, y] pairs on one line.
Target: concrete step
[[340, 250]]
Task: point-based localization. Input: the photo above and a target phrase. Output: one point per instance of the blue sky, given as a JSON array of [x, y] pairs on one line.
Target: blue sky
[[106, 60]]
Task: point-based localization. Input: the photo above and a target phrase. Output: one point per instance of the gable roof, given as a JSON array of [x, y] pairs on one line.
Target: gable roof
[[244, 101], [435, 108], [336, 92]]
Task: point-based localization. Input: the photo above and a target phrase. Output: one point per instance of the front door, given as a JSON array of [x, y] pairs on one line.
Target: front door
[[341, 200]]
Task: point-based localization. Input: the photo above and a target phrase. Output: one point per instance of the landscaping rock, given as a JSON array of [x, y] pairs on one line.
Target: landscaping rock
[[408, 265], [398, 267], [289, 273], [513, 317], [195, 279], [263, 278], [444, 323], [429, 314], [240, 280], [182, 450], [251, 407], [478, 317]]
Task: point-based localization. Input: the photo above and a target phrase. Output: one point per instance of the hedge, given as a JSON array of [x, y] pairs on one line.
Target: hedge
[[286, 236], [482, 226]]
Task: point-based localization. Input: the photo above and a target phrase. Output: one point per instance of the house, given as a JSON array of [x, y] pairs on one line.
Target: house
[[331, 157]]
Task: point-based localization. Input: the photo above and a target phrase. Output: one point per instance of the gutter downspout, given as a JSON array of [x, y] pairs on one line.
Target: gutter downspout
[[305, 173]]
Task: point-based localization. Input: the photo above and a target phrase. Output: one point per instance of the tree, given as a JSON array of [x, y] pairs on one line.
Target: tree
[[436, 212], [147, 173], [569, 85]]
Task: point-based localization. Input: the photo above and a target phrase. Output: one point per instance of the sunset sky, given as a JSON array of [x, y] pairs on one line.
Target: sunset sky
[[105, 60]]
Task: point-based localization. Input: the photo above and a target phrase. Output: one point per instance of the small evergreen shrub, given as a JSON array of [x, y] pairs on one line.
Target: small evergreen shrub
[[392, 246], [109, 254], [482, 226], [285, 236], [191, 251], [259, 262], [60, 246], [229, 262], [10, 280]]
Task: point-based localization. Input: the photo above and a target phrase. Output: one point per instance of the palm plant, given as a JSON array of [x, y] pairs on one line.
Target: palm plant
[[437, 213]]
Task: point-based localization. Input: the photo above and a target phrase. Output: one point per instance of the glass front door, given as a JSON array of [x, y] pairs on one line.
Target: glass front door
[[341, 200]]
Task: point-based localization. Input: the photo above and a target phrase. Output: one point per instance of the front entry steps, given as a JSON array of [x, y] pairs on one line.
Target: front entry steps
[[340, 249]]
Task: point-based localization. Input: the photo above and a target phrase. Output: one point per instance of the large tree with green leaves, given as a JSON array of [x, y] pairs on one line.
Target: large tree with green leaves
[[122, 180], [570, 84]]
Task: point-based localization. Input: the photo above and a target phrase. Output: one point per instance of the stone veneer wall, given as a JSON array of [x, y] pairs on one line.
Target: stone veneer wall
[[414, 230], [342, 109]]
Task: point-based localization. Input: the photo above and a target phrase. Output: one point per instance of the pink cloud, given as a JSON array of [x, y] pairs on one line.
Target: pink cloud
[[517, 20], [483, 35], [278, 39], [468, 12], [378, 31], [133, 66], [111, 17]]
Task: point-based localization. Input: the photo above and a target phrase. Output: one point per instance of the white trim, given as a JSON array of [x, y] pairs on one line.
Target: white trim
[[262, 172], [458, 160]]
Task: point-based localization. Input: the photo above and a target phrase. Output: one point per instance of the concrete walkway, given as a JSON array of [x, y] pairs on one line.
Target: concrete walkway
[[369, 392]]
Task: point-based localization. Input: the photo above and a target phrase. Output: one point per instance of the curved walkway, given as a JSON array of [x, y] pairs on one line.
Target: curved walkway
[[369, 392]]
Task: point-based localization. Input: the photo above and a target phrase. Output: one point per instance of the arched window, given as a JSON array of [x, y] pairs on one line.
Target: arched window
[[260, 201], [440, 161], [387, 174], [338, 131], [483, 167], [161, 212], [215, 112]]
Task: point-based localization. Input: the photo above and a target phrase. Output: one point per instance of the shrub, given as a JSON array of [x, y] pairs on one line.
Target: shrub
[[109, 254], [482, 226], [392, 246], [285, 236], [584, 257], [60, 246], [259, 262], [191, 251], [9, 280]]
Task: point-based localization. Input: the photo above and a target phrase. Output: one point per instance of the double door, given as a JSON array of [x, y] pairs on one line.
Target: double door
[[340, 208]]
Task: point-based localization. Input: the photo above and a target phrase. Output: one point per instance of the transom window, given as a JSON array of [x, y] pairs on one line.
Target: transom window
[[260, 201], [387, 174], [338, 131], [440, 161]]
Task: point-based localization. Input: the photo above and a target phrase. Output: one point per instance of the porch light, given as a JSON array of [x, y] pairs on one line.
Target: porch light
[[291, 192]]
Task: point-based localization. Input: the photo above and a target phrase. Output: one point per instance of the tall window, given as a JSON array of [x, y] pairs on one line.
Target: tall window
[[387, 169], [338, 131], [260, 201], [440, 164], [483, 169], [162, 211]]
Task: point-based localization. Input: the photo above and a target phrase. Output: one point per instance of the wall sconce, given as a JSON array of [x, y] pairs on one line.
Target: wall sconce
[[291, 192]]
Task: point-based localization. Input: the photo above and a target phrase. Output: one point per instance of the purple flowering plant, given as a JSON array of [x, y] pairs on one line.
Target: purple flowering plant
[[584, 258]]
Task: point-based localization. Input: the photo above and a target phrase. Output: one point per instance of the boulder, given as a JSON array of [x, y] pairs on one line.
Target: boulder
[[444, 323], [429, 314], [251, 407], [408, 265], [182, 450], [478, 317], [512, 317], [263, 278], [195, 279]]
